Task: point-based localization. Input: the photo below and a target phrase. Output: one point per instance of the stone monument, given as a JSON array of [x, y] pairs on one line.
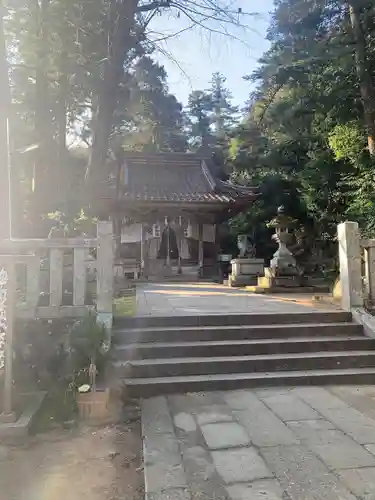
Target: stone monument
[[245, 268]]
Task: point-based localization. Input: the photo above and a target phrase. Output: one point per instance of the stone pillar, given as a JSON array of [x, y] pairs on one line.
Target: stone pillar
[[369, 272], [350, 265]]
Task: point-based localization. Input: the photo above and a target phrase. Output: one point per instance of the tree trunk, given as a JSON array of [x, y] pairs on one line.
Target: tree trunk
[[5, 212], [364, 75], [118, 45], [61, 184], [44, 191]]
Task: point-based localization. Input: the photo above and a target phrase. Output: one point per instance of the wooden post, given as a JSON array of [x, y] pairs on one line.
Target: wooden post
[[79, 276], [350, 265], [105, 261]]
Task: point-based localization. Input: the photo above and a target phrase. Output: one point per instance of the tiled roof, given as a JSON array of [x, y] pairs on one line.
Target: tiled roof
[[177, 177]]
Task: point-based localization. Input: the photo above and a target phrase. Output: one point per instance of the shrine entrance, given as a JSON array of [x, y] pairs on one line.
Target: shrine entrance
[[166, 210]]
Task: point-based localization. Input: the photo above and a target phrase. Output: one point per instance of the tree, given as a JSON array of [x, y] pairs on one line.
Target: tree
[[72, 76], [224, 113], [4, 143], [358, 12], [200, 107], [153, 120], [308, 118]]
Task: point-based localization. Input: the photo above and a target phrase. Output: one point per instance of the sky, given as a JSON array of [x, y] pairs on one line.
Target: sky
[[191, 57]]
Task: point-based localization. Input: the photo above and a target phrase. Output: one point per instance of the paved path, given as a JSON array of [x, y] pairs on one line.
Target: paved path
[[270, 444], [189, 299]]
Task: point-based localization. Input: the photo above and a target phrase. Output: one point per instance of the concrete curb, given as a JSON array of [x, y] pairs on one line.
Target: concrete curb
[[365, 319], [20, 428]]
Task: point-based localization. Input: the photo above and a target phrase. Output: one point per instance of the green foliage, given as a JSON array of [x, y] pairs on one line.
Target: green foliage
[[303, 140], [211, 116], [88, 342], [346, 141]]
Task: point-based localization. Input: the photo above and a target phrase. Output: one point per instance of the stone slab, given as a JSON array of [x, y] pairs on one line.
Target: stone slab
[[204, 481], [173, 494], [156, 418], [310, 430], [214, 415], [271, 391], [163, 476], [161, 448], [335, 449], [185, 421], [289, 407], [268, 489], [261, 424], [319, 398], [163, 469], [223, 435], [360, 481], [358, 426], [211, 299], [240, 465], [303, 476]]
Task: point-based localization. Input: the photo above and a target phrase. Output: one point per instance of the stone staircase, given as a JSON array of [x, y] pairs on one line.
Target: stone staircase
[[177, 354]]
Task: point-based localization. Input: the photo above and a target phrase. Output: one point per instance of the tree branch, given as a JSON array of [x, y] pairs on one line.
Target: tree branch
[[153, 6]]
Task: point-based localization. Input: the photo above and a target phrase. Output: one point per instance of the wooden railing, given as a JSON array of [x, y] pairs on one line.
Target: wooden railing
[[47, 258]]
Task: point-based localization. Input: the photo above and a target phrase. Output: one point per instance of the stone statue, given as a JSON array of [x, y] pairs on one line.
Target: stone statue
[[246, 246], [283, 261]]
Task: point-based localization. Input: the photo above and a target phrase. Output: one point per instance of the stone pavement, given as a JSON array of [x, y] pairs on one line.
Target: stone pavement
[[268, 444], [198, 298]]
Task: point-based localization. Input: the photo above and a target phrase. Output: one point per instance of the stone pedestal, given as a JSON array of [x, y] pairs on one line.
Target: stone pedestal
[[245, 271], [270, 281]]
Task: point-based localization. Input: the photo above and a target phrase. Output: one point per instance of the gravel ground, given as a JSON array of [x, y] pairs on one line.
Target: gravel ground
[[99, 463]]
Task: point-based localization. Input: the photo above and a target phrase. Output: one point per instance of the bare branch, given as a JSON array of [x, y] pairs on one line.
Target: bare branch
[[153, 6]]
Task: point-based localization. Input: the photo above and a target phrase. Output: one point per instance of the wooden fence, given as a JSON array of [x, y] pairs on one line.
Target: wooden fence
[[53, 259]]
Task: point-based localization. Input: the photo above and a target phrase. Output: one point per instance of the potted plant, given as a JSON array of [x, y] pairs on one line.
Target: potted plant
[[89, 351]]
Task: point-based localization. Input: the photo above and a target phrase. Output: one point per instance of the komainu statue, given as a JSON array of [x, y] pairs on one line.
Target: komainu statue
[[246, 246]]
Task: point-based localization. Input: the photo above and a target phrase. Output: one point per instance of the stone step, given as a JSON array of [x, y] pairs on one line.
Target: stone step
[[172, 367], [241, 347], [148, 387], [232, 319], [238, 332]]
